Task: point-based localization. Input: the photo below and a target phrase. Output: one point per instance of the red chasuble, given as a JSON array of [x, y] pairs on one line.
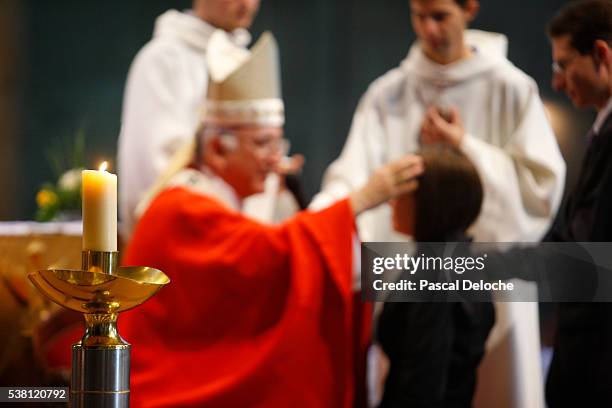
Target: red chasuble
[[255, 315]]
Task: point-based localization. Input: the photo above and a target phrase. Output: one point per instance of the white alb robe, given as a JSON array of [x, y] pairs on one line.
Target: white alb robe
[[162, 105], [508, 137]]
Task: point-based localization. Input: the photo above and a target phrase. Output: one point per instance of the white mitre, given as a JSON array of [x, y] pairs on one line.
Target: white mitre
[[251, 93], [244, 90]]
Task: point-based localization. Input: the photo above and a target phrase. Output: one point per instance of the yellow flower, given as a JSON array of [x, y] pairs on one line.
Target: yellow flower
[[46, 198]]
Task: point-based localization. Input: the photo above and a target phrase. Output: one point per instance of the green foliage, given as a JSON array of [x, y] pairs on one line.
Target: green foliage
[[63, 198]]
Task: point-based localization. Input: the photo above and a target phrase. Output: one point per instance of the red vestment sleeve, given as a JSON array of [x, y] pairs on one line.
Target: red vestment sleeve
[[255, 315]]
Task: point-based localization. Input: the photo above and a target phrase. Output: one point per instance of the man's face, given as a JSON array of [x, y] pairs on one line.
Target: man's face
[[577, 75], [257, 153], [439, 26], [229, 14]]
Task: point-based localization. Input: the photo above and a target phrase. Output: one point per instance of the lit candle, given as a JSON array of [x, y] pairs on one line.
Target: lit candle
[[99, 210]]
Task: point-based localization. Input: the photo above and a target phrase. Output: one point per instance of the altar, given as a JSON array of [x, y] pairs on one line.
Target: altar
[[27, 319]]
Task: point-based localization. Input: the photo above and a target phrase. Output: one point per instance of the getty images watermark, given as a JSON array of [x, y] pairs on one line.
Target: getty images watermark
[[482, 272], [430, 266]]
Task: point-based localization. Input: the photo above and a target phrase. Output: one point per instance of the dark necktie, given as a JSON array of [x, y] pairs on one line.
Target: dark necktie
[[590, 136]]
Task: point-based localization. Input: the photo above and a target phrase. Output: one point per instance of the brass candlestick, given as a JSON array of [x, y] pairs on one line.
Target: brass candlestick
[[101, 290]]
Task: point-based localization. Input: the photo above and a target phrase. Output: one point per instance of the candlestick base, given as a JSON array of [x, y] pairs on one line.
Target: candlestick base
[[100, 376], [101, 290]]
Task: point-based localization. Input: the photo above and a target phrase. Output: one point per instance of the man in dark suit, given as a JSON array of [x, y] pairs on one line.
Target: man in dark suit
[[581, 36]]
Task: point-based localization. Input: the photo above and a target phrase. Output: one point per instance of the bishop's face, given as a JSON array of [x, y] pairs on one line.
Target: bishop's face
[[258, 151], [439, 26]]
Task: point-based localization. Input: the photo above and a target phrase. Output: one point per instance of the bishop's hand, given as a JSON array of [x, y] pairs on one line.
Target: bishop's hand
[[387, 182]]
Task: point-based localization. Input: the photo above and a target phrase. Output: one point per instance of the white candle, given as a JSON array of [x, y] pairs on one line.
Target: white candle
[[99, 210]]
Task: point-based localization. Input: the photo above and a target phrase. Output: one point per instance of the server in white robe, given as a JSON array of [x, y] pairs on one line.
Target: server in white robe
[[166, 87], [494, 114], [507, 136]]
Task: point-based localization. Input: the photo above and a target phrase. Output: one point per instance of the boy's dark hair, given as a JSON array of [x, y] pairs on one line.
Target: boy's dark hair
[[449, 195], [584, 22]]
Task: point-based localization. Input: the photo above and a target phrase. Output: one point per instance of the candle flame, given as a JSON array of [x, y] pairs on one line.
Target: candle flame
[[103, 166]]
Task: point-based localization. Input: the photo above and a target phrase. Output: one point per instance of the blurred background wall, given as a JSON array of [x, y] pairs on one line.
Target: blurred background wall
[[11, 101], [63, 65]]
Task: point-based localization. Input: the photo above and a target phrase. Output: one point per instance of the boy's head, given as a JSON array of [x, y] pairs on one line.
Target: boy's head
[[447, 201]]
